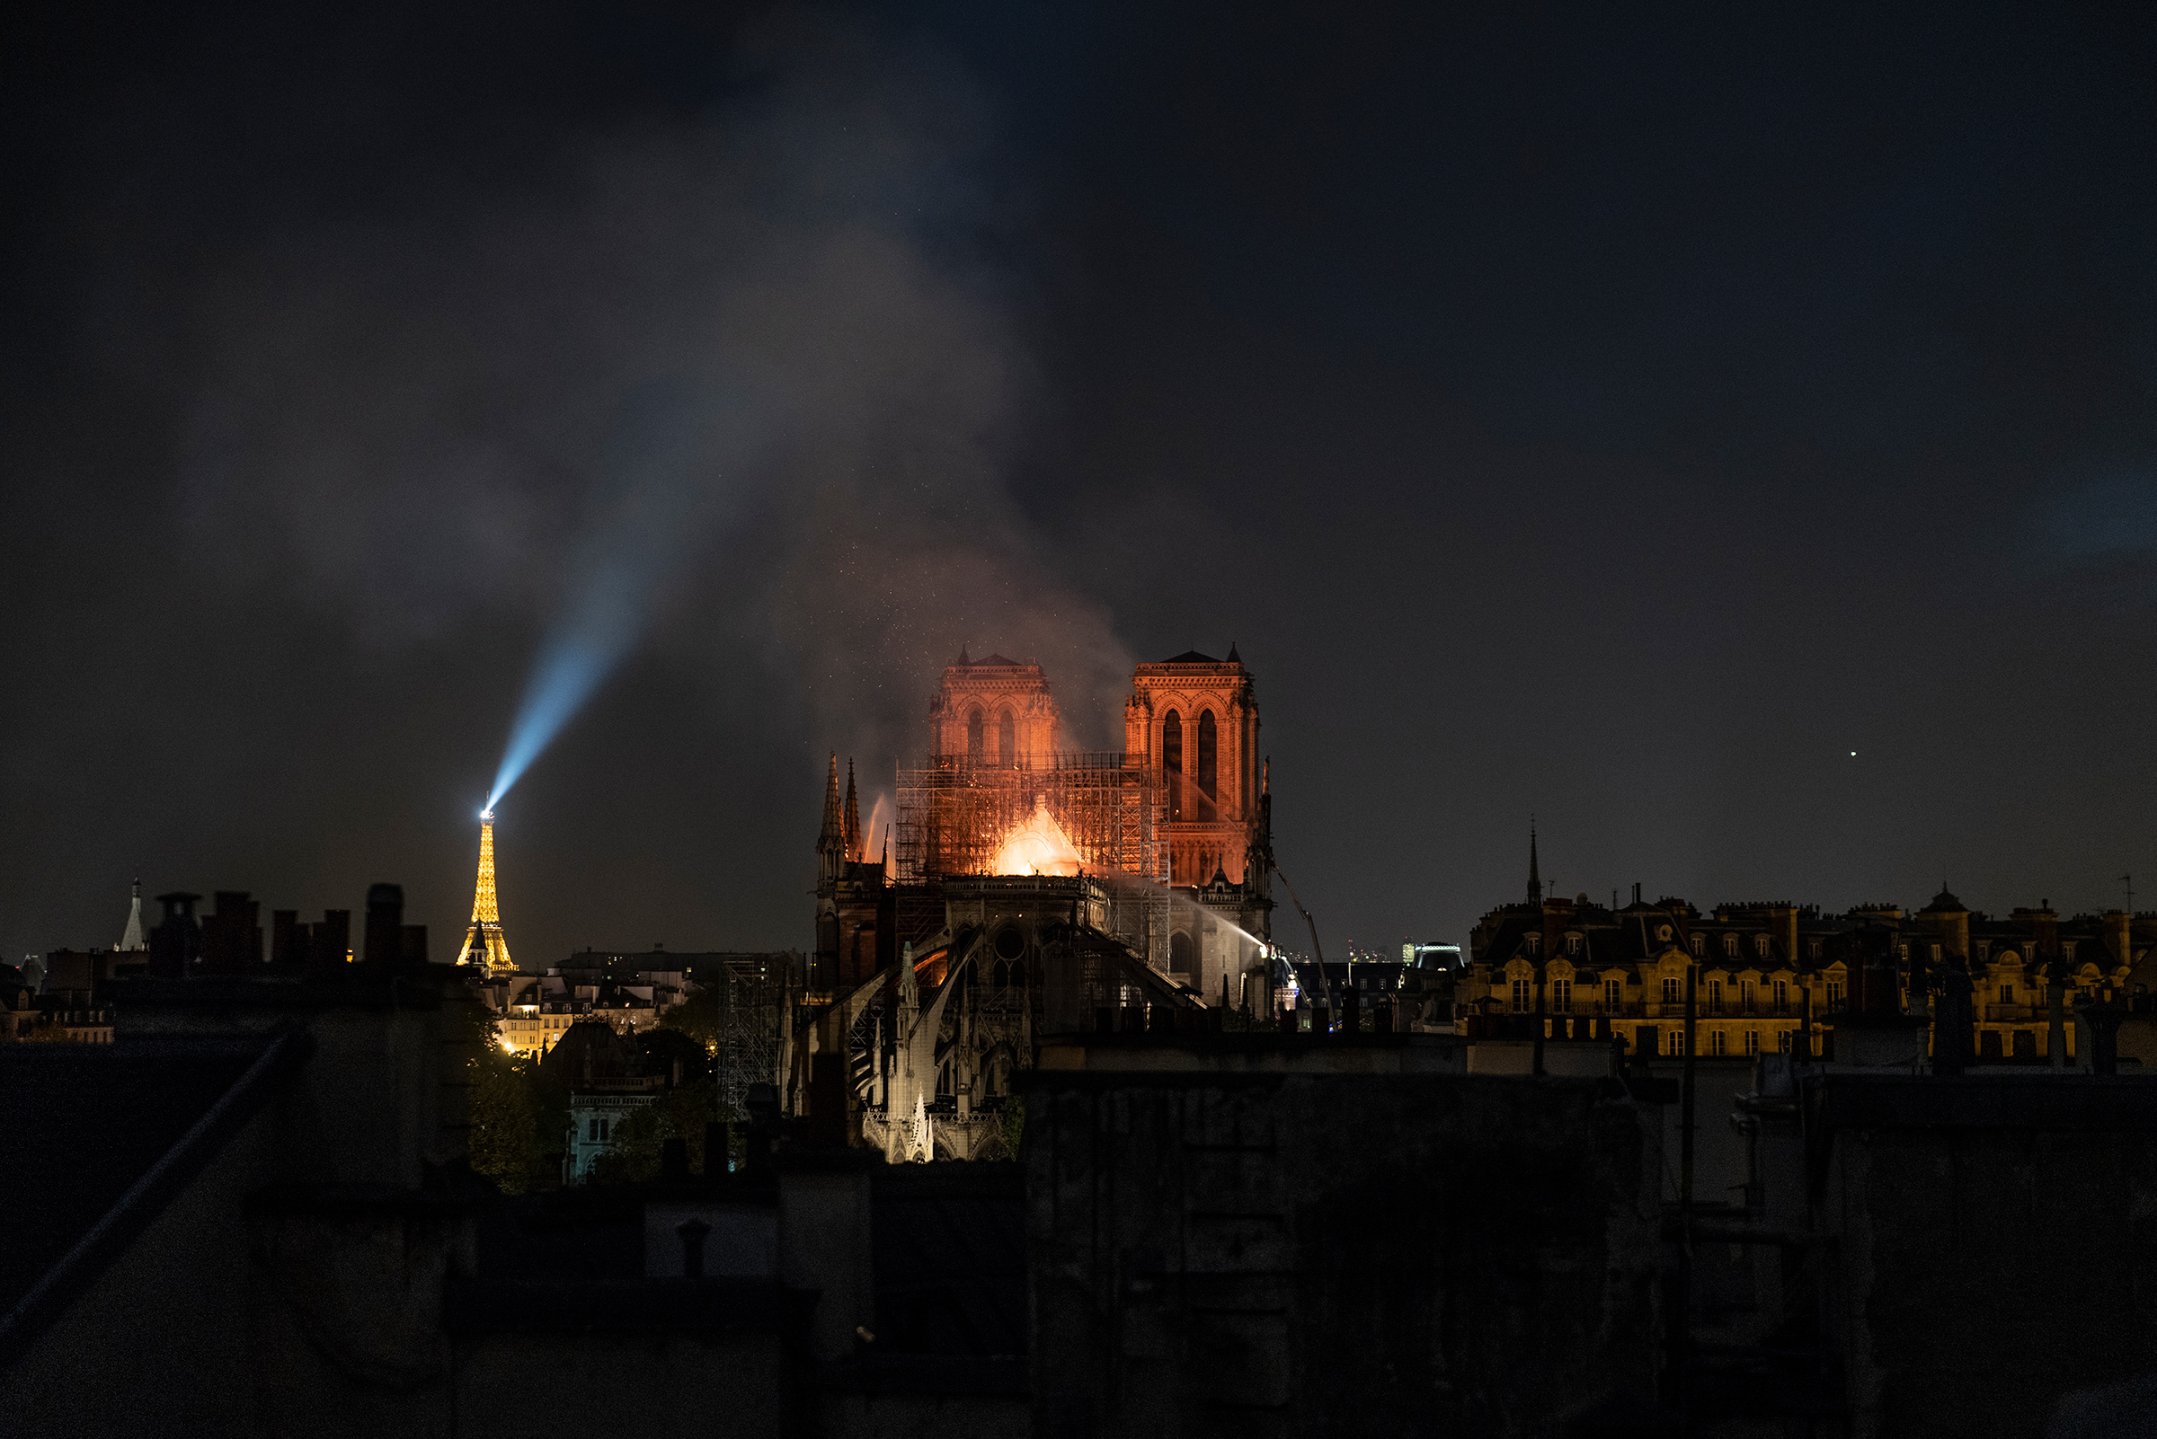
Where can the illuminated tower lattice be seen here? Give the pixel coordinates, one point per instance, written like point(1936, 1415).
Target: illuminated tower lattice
point(484, 943)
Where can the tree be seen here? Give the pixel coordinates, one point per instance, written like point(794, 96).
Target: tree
point(634, 1148)
point(702, 1016)
point(505, 1122)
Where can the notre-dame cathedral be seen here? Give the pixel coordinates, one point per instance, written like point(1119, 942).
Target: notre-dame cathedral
point(1026, 890)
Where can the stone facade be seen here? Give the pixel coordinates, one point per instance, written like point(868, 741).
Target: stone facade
point(1231, 1251)
point(1776, 976)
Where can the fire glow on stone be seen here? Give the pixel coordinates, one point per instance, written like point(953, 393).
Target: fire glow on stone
point(1038, 846)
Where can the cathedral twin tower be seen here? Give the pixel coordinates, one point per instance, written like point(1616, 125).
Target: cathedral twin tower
point(1182, 809)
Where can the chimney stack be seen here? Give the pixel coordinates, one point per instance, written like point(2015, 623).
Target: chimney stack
point(385, 926)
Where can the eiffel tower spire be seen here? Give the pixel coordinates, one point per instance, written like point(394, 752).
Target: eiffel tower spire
point(484, 943)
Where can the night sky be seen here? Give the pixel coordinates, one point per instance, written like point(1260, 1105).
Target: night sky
point(1617, 419)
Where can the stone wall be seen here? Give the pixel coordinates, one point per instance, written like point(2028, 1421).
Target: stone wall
point(1993, 1245)
point(1327, 1254)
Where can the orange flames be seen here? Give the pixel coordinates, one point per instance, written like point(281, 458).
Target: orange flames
point(1037, 846)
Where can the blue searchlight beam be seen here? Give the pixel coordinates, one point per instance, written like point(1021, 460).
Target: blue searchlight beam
point(626, 561)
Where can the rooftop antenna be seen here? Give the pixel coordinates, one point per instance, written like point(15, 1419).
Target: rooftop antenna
point(2129, 881)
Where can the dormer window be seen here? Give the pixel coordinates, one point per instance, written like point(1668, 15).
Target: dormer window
point(1572, 944)
point(1700, 945)
point(1730, 945)
point(1760, 945)
point(1662, 932)
point(1535, 943)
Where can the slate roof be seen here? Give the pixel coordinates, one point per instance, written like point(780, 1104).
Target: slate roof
point(1190, 657)
point(94, 1139)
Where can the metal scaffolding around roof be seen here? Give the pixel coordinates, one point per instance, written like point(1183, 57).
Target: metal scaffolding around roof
point(955, 812)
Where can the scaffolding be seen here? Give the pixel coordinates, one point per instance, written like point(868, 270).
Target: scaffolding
point(955, 812)
point(753, 1019)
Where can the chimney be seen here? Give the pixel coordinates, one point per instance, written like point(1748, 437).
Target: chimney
point(176, 943)
point(287, 940)
point(330, 941)
point(385, 926)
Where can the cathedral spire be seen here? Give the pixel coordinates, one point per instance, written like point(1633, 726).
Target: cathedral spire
point(131, 939)
point(834, 830)
point(484, 943)
point(1535, 872)
point(853, 815)
point(831, 837)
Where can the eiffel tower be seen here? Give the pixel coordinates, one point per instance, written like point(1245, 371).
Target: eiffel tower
point(484, 943)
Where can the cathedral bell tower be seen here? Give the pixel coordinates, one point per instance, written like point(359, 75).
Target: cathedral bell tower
point(1192, 723)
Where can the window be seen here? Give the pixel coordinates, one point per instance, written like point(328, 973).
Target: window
point(1674, 1042)
point(1700, 944)
point(1782, 1042)
point(1208, 750)
point(1613, 995)
point(1984, 950)
point(973, 734)
point(1730, 945)
point(1834, 994)
point(1561, 996)
point(1760, 946)
point(2007, 992)
point(1523, 995)
point(1716, 1041)
point(1752, 1041)
point(1572, 944)
point(1007, 739)
point(1535, 943)
point(1715, 996)
point(1673, 990)
point(1812, 947)
point(1745, 993)
point(1782, 996)
point(1172, 761)
point(1662, 932)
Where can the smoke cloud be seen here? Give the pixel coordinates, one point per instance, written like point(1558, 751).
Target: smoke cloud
point(744, 386)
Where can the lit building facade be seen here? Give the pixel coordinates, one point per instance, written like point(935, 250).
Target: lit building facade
point(1776, 976)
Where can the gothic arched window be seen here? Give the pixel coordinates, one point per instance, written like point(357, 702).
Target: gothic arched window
point(973, 734)
point(1172, 761)
point(1208, 752)
point(1181, 953)
point(1007, 739)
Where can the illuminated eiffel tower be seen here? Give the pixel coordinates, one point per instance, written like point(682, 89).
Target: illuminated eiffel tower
point(484, 943)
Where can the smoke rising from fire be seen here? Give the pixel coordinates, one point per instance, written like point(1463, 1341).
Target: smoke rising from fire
point(740, 388)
